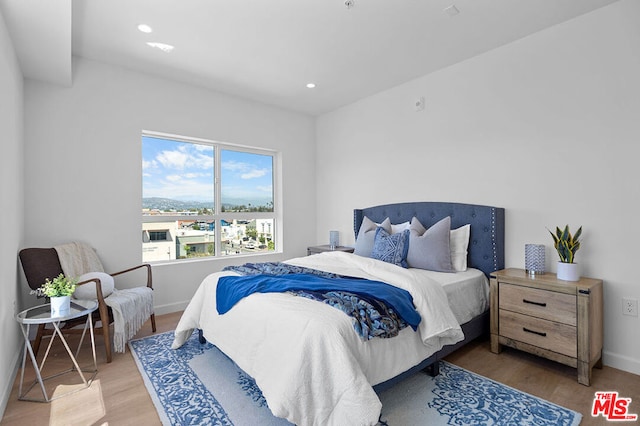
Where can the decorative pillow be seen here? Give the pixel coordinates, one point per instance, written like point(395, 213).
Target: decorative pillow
point(391, 248)
point(430, 249)
point(399, 227)
point(459, 241)
point(88, 291)
point(366, 235)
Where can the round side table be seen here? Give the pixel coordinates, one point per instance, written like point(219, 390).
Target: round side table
point(42, 315)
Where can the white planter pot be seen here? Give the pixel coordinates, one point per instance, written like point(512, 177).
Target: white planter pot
point(568, 271)
point(60, 306)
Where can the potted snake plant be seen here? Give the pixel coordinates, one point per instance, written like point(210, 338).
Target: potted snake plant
point(567, 245)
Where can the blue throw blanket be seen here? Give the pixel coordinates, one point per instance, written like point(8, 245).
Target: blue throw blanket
point(278, 268)
point(334, 290)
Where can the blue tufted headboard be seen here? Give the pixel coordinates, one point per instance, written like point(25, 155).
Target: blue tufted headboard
point(486, 242)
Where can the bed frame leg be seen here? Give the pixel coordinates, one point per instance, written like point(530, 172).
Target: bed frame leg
point(433, 370)
point(201, 338)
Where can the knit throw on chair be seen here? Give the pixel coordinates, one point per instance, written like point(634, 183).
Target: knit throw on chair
point(78, 258)
point(131, 307)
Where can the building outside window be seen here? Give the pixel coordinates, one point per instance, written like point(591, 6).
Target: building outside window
point(206, 199)
point(158, 235)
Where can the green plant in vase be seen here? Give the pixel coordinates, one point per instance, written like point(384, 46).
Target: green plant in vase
point(59, 286)
point(567, 245)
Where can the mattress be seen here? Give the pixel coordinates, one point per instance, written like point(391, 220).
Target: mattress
point(383, 359)
point(467, 292)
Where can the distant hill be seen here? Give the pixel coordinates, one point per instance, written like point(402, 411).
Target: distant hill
point(179, 205)
point(170, 204)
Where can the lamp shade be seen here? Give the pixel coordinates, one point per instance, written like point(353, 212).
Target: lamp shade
point(534, 258)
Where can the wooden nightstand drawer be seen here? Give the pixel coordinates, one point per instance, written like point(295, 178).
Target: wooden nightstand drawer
point(559, 320)
point(539, 303)
point(554, 336)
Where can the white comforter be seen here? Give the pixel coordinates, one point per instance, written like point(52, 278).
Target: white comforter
point(305, 356)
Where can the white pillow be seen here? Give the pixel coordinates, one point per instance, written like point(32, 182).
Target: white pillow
point(396, 229)
point(88, 291)
point(459, 241)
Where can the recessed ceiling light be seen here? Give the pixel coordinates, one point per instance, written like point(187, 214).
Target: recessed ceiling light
point(162, 46)
point(145, 28)
point(311, 85)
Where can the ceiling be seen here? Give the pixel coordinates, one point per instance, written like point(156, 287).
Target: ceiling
point(268, 50)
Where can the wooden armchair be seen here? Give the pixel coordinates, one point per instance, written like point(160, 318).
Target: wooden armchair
point(42, 263)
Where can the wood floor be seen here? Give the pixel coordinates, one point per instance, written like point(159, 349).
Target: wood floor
point(549, 380)
point(118, 395)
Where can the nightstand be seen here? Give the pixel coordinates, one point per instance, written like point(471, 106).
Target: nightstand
point(319, 249)
point(555, 319)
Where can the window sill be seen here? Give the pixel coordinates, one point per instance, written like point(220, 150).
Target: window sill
point(213, 258)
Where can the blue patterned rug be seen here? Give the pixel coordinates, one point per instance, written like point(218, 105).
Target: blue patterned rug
point(198, 385)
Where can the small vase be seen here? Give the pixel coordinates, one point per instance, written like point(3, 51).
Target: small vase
point(60, 306)
point(334, 239)
point(568, 271)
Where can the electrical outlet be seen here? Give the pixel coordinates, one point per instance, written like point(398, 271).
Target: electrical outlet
point(630, 307)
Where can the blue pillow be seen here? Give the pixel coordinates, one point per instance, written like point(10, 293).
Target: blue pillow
point(391, 248)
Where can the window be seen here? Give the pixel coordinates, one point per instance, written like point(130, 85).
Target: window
point(158, 235)
point(206, 199)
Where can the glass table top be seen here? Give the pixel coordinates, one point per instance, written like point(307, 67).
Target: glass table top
point(41, 314)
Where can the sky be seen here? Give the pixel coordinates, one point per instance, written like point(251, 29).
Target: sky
point(185, 171)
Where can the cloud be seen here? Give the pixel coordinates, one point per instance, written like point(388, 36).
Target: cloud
point(185, 171)
point(187, 157)
point(199, 147)
point(235, 166)
point(255, 173)
point(246, 170)
point(196, 175)
point(149, 164)
point(173, 159)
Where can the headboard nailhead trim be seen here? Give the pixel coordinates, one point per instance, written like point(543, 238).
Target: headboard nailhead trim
point(493, 239)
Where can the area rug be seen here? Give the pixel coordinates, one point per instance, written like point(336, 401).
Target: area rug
point(198, 385)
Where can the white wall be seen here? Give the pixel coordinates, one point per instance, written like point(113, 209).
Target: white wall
point(546, 127)
point(83, 164)
point(11, 225)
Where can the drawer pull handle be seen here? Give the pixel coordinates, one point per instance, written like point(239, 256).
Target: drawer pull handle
point(539, 333)
point(534, 303)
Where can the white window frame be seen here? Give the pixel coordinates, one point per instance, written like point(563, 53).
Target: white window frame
point(218, 215)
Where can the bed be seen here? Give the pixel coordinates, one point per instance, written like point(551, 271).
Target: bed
point(310, 365)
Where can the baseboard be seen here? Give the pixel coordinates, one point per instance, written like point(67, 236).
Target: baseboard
point(170, 307)
point(621, 362)
point(13, 371)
